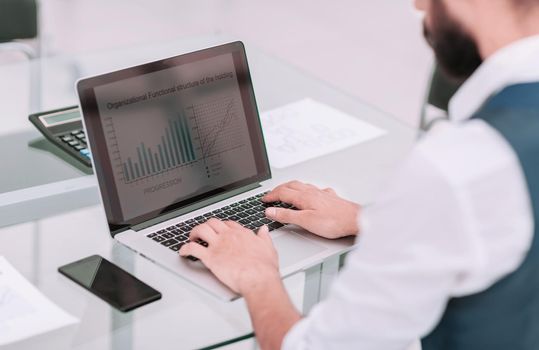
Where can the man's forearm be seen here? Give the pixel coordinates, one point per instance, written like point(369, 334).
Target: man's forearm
point(272, 312)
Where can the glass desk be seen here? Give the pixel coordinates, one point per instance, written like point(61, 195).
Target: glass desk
point(50, 213)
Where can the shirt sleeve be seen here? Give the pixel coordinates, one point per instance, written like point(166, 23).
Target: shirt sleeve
point(455, 218)
point(414, 247)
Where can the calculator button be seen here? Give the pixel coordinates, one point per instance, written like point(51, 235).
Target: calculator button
point(79, 147)
point(80, 136)
point(76, 132)
point(83, 139)
point(73, 143)
point(66, 138)
point(85, 153)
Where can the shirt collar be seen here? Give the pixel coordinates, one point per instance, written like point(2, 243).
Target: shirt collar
point(514, 64)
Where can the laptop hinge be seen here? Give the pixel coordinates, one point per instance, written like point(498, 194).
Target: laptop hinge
point(194, 206)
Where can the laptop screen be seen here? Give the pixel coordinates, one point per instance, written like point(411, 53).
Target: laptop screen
point(167, 134)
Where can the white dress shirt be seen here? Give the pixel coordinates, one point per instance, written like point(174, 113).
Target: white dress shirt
point(454, 219)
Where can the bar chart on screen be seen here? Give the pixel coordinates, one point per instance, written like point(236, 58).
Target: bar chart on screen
point(197, 133)
point(175, 149)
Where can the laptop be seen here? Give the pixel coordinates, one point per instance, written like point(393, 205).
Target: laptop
point(178, 141)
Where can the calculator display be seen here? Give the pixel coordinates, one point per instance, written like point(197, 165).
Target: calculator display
point(60, 118)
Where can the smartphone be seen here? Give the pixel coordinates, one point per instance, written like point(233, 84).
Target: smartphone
point(110, 283)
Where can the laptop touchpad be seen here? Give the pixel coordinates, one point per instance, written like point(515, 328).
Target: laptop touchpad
point(293, 248)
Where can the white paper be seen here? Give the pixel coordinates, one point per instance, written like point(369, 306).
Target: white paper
point(308, 129)
point(24, 311)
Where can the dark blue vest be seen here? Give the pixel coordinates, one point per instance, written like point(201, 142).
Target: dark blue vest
point(505, 316)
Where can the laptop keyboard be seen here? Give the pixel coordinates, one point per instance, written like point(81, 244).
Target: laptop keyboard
point(248, 212)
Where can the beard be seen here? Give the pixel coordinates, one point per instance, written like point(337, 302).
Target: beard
point(456, 51)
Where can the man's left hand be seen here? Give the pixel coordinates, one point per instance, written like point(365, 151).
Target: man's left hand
point(238, 257)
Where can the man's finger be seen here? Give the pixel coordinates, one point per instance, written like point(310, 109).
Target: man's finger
point(280, 187)
point(286, 216)
point(232, 224)
point(287, 195)
point(270, 193)
point(300, 186)
point(263, 232)
point(330, 191)
point(196, 250)
point(204, 232)
point(217, 225)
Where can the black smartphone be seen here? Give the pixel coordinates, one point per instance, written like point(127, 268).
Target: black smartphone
point(109, 282)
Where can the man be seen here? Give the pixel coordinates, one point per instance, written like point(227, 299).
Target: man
point(448, 252)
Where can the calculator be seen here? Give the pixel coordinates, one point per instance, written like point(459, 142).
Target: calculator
point(63, 127)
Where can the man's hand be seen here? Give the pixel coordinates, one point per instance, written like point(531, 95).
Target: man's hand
point(248, 264)
point(242, 260)
point(321, 212)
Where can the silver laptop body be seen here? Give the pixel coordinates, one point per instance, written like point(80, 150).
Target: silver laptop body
point(175, 139)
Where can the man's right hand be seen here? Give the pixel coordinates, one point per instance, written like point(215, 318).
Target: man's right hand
point(319, 211)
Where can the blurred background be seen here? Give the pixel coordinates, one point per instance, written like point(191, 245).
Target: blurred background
point(373, 50)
